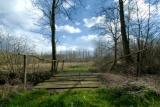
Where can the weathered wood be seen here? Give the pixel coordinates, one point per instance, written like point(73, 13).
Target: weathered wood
point(68, 83)
point(57, 63)
point(71, 81)
point(68, 86)
point(76, 74)
point(62, 66)
point(25, 71)
point(77, 87)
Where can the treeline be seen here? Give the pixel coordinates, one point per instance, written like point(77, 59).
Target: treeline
point(133, 29)
point(82, 55)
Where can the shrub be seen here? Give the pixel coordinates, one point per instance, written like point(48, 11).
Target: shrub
point(18, 78)
point(37, 77)
point(3, 78)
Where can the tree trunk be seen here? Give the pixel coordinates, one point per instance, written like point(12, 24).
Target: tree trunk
point(53, 34)
point(115, 54)
point(125, 41)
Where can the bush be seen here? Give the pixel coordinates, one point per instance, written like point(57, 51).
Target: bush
point(18, 78)
point(37, 77)
point(3, 79)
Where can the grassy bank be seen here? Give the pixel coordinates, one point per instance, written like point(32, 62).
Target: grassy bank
point(92, 98)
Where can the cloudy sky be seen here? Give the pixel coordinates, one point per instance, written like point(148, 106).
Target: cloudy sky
point(20, 18)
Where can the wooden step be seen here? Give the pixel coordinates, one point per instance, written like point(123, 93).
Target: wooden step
point(71, 79)
point(68, 83)
point(67, 86)
point(76, 74)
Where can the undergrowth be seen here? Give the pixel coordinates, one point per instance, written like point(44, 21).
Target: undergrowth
point(114, 97)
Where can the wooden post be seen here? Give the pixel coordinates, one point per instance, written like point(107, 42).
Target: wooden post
point(25, 71)
point(62, 66)
point(57, 62)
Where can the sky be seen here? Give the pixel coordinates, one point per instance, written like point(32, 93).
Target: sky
point(20, 18)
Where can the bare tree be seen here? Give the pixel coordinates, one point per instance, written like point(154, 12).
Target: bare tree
point(112, 27)
point(144, 29)
point(50, 9)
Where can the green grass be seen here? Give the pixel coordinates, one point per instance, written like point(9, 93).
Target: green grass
point(91, 98)
point(79, 67)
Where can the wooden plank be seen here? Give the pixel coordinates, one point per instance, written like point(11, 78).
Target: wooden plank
point(60, 88)
point(67, 86)
point(87, 76)
point(69, 83)
point(71, 79)
point(76, 74)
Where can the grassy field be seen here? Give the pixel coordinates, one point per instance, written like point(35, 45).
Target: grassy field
point(79, 67)
point(44, 66)
point(86, 98)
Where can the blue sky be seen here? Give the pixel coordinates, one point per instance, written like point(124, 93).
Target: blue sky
point(20, 18)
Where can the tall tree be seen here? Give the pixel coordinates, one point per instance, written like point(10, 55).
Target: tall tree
point(125, 40)
point(50, 8)
point(53, 36)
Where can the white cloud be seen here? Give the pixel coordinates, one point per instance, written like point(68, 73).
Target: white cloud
point(90, 22)
point(36, 42)
point(90, 38)
point(39, 42)
point(19, 18)
point(66, 48)
point(68, 29)
point(18, 14)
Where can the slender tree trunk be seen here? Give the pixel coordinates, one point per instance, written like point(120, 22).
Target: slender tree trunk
point(125, 41)
point(53, 34)
point(138, 59)
point(115, 54)
point(139, 44)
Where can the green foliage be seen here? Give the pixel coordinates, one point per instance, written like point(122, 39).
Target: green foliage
point(86, 98)
point(124, 98)
point(3, 78)
point(17, 78)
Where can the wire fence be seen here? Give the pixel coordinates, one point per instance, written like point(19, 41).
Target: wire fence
point(27, 67)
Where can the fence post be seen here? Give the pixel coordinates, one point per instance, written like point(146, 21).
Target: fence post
point(57, 62)
point(62, 66)
point(25, 70)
